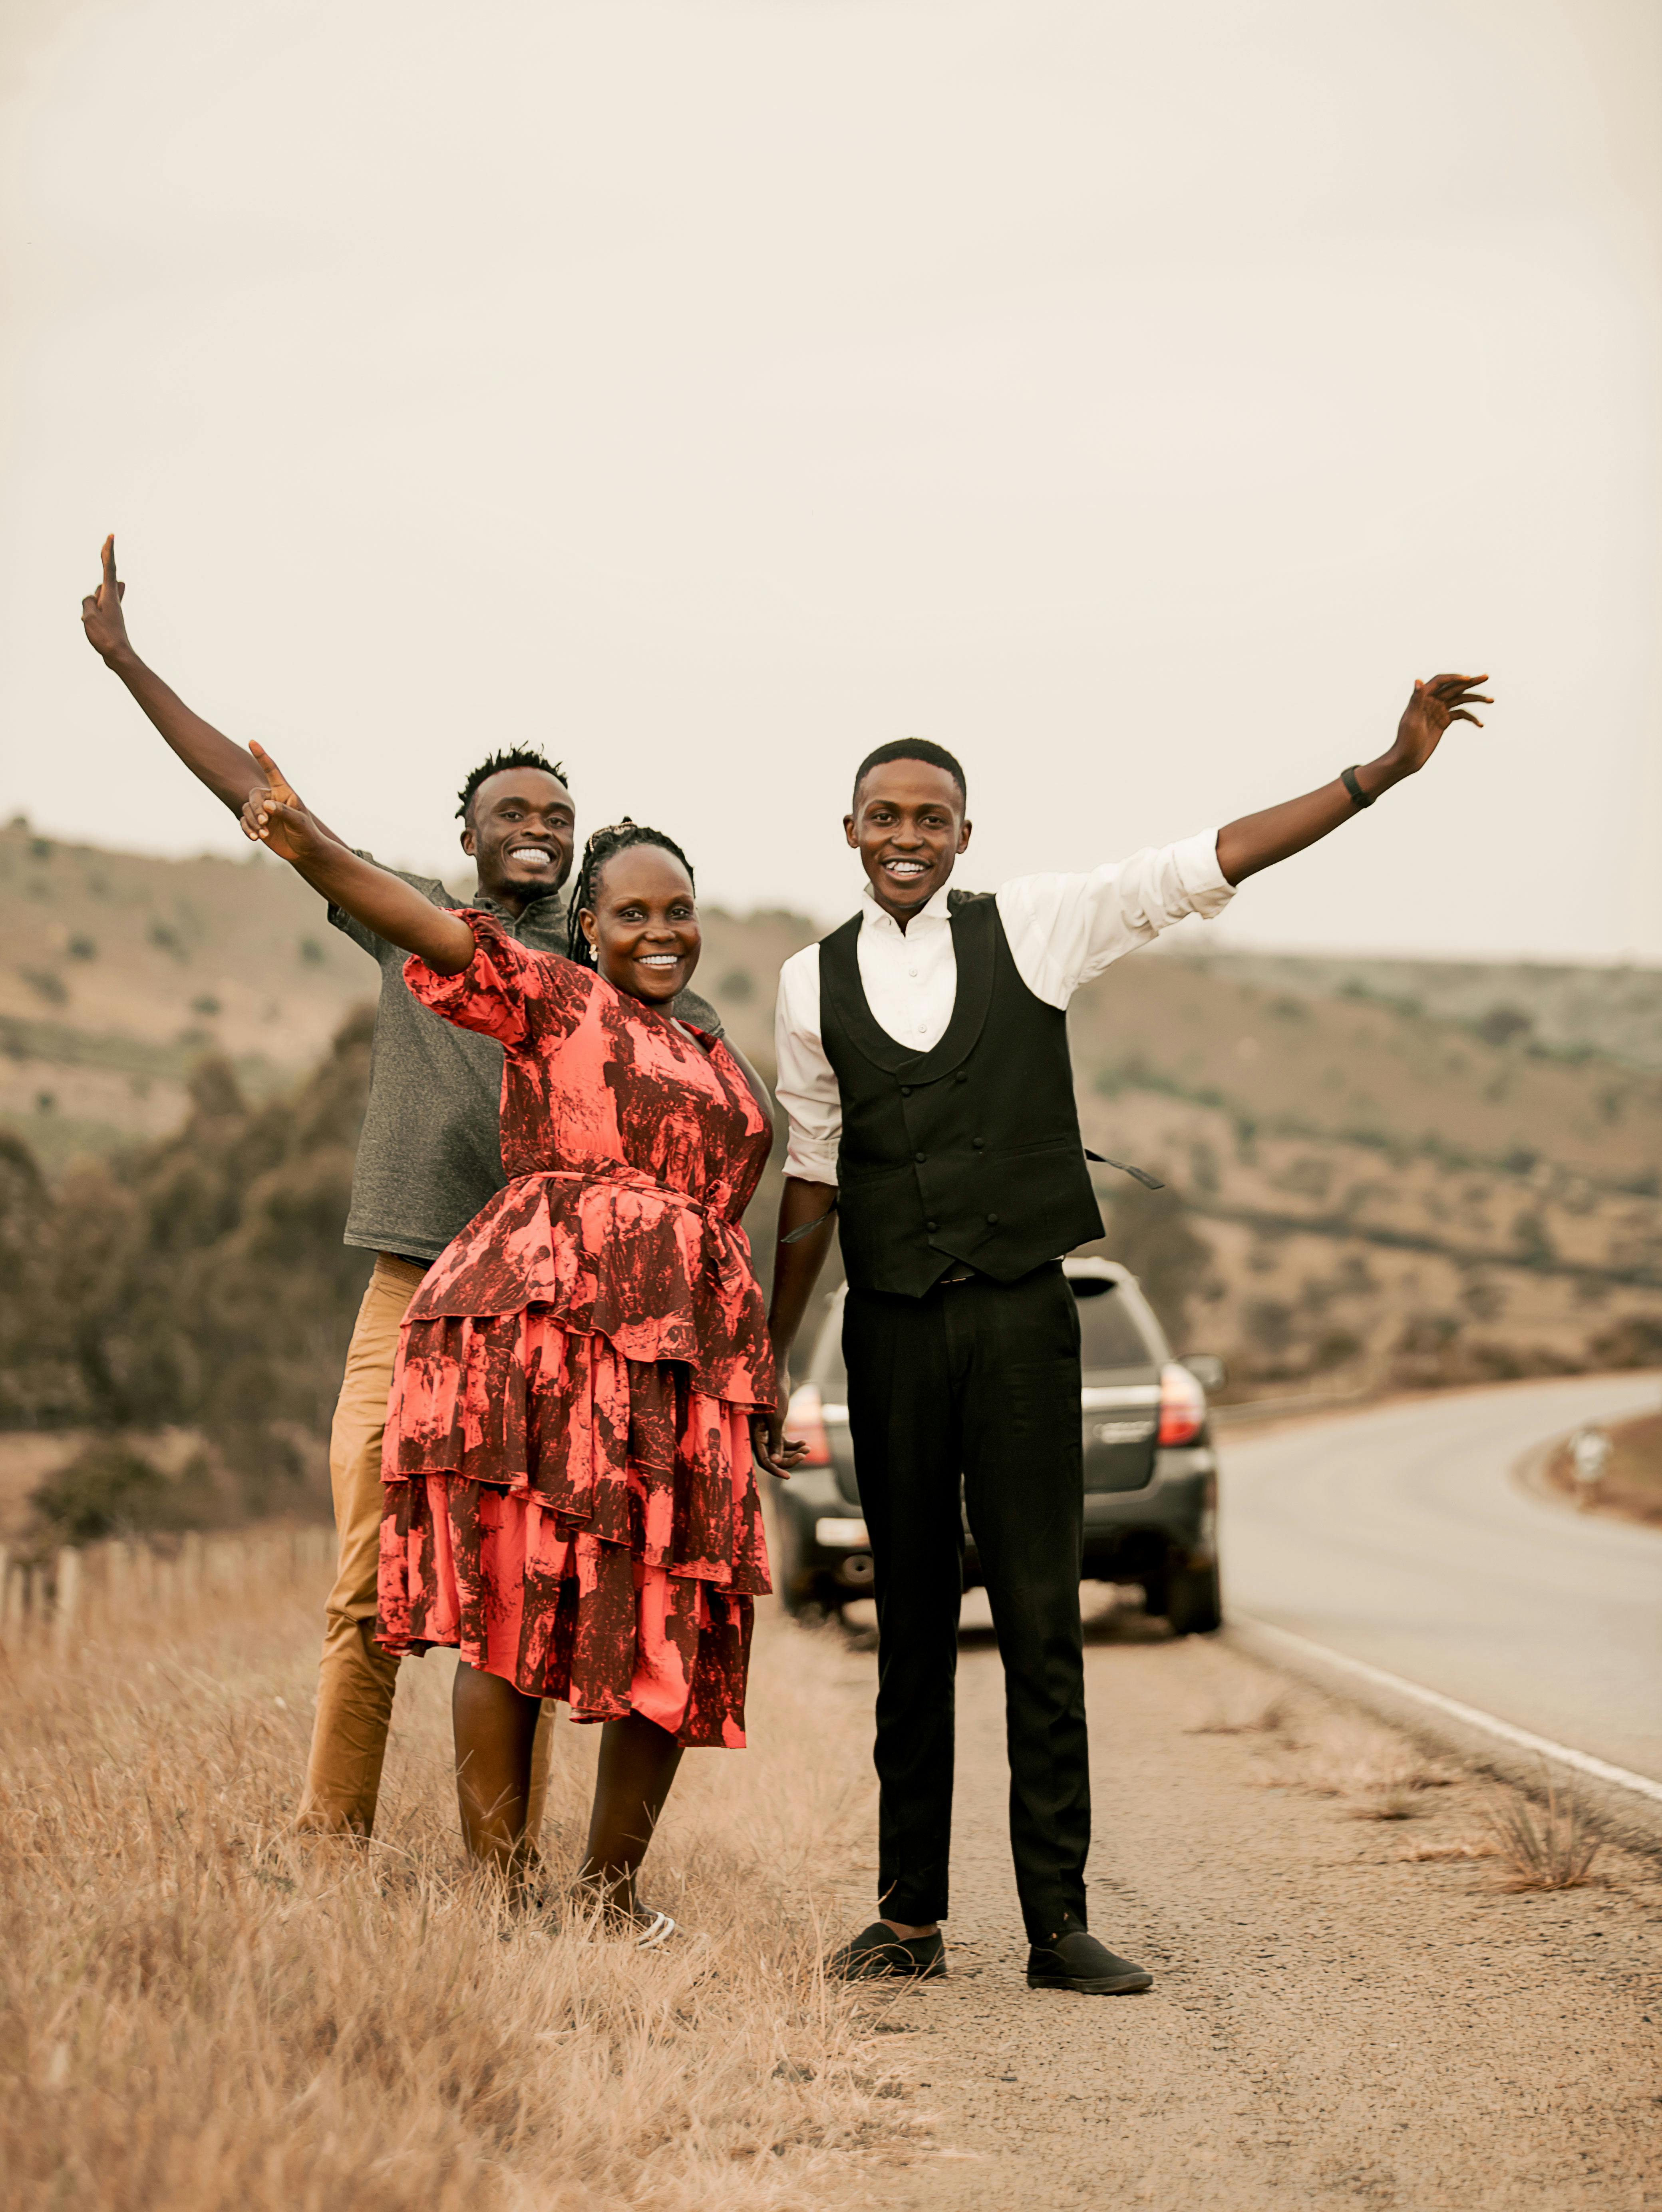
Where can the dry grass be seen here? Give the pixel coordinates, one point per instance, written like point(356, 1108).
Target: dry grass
point(198, 2014)
point(1379, 1775)
point(1250, 1711)
point(1458, 1847)
point(1545, 1847)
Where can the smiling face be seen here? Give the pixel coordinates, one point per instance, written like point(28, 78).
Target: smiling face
point(644, 924)
point(908, 827)
point(520, 829)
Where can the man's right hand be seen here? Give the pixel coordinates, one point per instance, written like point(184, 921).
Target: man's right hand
point(100, 613)
point(276, 815)
point(769, 1445)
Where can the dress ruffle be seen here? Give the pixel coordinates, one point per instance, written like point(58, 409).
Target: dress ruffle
point(616, 1252)
point(492, 1577)
point(585, 1525)
point(631, 1453)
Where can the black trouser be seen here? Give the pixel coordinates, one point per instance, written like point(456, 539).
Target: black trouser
point(980, 1378)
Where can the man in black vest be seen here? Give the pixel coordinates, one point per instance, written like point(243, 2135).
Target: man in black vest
point(923, 1060)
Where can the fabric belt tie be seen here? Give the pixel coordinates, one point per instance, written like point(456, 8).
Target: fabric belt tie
point(627, 1178)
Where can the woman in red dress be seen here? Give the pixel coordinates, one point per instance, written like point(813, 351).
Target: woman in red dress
point(571, 1503)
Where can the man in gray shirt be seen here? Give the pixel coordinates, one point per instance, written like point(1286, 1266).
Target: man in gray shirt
point(429, 1158)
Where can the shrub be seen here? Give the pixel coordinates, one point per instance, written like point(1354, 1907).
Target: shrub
point(108, 1490)
point(198, 1281)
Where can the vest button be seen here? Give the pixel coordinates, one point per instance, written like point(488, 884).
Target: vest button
point(960, 1075)
point(978, 1144)
point(992, 1221)
point(905, 1091)
point(931, 1226)
point(920, 1157)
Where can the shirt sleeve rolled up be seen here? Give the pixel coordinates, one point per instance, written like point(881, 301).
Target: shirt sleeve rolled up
point(1064, 930)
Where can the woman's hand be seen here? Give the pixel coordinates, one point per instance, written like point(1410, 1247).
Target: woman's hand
point(275, 814)
point(100, 613)
point(1429, 713)
point(772, 1449)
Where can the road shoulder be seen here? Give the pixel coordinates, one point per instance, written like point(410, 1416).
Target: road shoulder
point(1345, 2006)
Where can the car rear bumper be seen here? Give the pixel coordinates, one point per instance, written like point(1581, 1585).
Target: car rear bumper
point(1128, 1533)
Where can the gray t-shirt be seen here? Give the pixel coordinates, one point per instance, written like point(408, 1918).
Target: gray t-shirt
point(430, 1154)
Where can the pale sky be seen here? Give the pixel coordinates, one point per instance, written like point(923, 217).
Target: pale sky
point(1134, 398)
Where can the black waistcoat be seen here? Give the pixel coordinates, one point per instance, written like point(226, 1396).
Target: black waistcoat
point(969, 1151)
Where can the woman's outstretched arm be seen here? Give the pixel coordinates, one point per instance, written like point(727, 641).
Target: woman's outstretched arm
point(382, 902)
point(1259, 841)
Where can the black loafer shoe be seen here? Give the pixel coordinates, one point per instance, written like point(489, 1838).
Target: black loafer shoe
point(1078, 1962)
point(878, 1952)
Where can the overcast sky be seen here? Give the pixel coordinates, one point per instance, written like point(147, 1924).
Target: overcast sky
point(1133, 397)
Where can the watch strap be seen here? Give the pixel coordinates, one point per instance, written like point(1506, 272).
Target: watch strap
point(1358, 796)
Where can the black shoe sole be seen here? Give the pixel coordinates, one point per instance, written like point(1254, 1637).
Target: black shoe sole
point(1101, 1985)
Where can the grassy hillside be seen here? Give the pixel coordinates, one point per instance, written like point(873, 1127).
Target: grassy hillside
point(119, 972)
point(1457, 1177)
point(1382, 1193)
point(1616, 1013)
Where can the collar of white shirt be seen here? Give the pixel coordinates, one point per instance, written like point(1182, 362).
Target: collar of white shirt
point(872, 916)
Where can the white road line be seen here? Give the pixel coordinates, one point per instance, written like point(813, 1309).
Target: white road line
point(1583, 1761)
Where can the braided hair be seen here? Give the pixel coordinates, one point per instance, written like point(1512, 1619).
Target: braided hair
point(604, 845)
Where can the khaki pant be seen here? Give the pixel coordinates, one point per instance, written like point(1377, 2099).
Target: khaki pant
point(356, 1679)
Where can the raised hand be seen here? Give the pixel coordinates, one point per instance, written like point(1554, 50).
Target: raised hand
point(1429, 713)
point(100, 612)
point(274, 815)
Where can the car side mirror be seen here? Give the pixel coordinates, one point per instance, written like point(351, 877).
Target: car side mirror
point(1208, 1370)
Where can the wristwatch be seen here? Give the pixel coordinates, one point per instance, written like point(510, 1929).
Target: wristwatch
point(1358, 796)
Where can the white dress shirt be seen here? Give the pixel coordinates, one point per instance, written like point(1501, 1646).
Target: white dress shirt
point(1062, 930)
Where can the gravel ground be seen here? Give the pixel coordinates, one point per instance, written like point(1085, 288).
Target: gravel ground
point(1331, 2022)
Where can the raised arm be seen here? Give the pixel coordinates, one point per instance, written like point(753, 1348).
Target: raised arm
point(382, 902)
point(1259, 841)
point(228, 770)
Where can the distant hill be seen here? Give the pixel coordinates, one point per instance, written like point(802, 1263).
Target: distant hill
point(1614, 1012)
point(1377, 1169)
point(1381, 1195)
point(119, 972)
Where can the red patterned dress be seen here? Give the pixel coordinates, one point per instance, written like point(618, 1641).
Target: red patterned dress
point(570, 1498)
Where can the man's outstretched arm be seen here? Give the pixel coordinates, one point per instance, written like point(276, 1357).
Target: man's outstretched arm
point(1259, 841)
point(228, 770)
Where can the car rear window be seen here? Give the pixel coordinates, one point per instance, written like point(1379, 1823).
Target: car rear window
point(1109, 1336)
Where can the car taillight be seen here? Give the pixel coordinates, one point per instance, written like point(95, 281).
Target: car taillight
point(1182, 1405)
point(804, 1425)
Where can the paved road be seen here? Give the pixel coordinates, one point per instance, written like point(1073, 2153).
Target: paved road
point(1399, 1538)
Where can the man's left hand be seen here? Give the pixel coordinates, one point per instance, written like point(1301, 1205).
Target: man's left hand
point(1434, 706)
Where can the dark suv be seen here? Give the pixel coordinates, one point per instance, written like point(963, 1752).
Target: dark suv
point(1150, 1474)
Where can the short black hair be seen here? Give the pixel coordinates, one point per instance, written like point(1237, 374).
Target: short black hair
point(604, 845)
point(917, 748)
point(510, 757)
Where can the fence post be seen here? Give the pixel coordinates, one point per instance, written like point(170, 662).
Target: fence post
point(118, 1578)
point(68, 1598)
